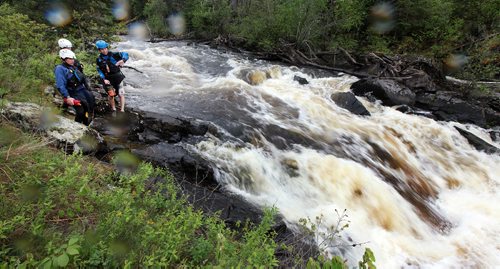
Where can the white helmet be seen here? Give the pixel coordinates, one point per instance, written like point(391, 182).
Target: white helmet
point(66, 53)
point(64, 43)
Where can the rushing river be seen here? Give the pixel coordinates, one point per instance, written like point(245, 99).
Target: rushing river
point(415, 191)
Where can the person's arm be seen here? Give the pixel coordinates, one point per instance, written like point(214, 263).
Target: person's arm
point(61, 81)
point(123, 58)
point(101, 74)
point(99, 71)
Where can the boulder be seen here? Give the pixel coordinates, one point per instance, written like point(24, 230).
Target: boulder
point(253, 76)
point(62, 132)
point(256, 77)
point(179, 160)
point(449, 106)
point(418, 80)
point(477, 142)
point(300, 80)
point(348, 101)
point(388, 91)
point(273, 72)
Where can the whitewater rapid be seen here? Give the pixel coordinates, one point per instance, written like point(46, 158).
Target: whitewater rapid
point(416, 192)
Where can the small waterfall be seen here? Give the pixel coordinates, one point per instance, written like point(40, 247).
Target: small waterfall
point(414, 189)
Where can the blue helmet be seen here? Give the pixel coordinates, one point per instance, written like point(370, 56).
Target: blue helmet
point(101, 44)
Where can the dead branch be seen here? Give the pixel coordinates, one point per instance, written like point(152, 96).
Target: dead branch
point(349, 56)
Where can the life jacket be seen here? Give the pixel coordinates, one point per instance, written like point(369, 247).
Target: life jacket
point(78, 65)
point(108, 64)
point(77, 77)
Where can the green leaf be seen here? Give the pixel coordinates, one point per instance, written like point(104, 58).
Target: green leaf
point(73, 241)
point(47, 264)
point(72, 250)
point(62, 260)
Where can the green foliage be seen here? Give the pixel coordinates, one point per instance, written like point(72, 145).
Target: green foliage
point(483, 60)
point(368, 261)
point(156, 12)
point(328, 237)
point(66, 212)
point(23, 54)
point(321, 263)
point(208, 18)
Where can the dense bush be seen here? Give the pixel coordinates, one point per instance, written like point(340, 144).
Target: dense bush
point(433, 28)
point(24, 51)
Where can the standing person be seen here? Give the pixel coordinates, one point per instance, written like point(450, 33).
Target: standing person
point(70, 82)
point(108, 67)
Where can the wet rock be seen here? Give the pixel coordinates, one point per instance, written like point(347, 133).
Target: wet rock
point(291, 167)
point(388, 91)
point(256, 77)
point(300, 80)
point(404, 109)
point(273, 72)
point(149, 137)
point(478, 142)
point(252, 76)
point(178, 159)
point(415, 111)
point(449, 106)
point(348, 101)
point(418, 80)
point(172, 129)
point(495, 135)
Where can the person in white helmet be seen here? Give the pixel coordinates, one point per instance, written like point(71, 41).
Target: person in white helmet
point(70, 82)
point(66, 44)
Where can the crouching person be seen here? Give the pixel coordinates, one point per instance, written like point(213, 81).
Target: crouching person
point(70, 82)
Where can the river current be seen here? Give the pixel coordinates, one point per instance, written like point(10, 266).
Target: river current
point(415, 191)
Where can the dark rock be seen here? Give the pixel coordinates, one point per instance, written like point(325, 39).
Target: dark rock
point(178, 159)
point(404, 109)
point(348, 101)
point(149, 137)
point(173, 129)
point(388, 91)
point(231, 208)
point(495, 135)
point(449, 106)
point(418, 80)
point(300, 80)
point(414, 111)
point(477, 142)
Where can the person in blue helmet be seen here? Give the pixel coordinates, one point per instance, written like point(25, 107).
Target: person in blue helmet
point(70, 82)
point(109, 68)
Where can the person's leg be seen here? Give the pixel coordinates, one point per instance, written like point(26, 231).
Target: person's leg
point(89, 97)
point(111, 101)
point(82, 110)
point(90, 104)
point(121, 94)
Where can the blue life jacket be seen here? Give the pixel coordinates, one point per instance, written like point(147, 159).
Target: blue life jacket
point(106, 64)
point(69, 79)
